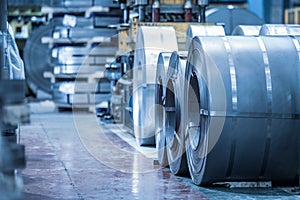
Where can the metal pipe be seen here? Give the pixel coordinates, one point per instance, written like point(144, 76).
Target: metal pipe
point(125, 10)
point(188, 11)
point(141, 9)
point(156, 11)
point(201, 17)
point(202, 7)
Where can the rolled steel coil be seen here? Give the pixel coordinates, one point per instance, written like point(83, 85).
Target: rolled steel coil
point(280, 29)
point(36, 59)
point(242, 108)
point(246, 30)
point(149, 43)
point(160, 93)
point(174, 122)
point(202, 30)
point(174, 118)
point(232, 17)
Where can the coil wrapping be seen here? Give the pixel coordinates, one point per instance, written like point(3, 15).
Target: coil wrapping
point(242, 108)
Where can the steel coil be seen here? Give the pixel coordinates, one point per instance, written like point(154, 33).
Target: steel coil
point(36, 60)
point(242, 108)
point(246, 30)
point(149, 43)
point(202, 30)
point(232, 17)
point(280, 29)
point(174, 118)
point(174, 122)
point(160, 93)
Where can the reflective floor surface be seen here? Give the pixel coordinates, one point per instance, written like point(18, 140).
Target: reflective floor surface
point(68, 158)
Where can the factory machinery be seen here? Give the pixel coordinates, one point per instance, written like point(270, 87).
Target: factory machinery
point(219, 108)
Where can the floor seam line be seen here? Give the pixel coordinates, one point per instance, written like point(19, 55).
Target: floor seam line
point(63, 164)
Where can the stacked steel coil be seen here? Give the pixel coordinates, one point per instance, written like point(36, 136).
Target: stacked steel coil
point(174, 126)
point(231, 113)
point(175, 120)
point(240, 127)
point(232, 17)
point(145, 62)
point(201, 30)
point(246, 30)
point(267, 29)
point(76, 63)
point(280, 29)
point(77, 50)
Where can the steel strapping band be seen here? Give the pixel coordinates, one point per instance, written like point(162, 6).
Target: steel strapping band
point(269, 105)
point(234, 100)
point(232, 74)
point(254, 115)
point(267, 73)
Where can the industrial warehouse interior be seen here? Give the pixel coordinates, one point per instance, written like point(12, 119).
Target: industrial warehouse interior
point(149, 99)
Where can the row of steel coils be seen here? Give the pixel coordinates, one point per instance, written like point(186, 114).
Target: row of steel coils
point(66, 58)
point(227, 109)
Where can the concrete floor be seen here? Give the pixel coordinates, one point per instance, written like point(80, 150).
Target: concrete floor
point(63, 163)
